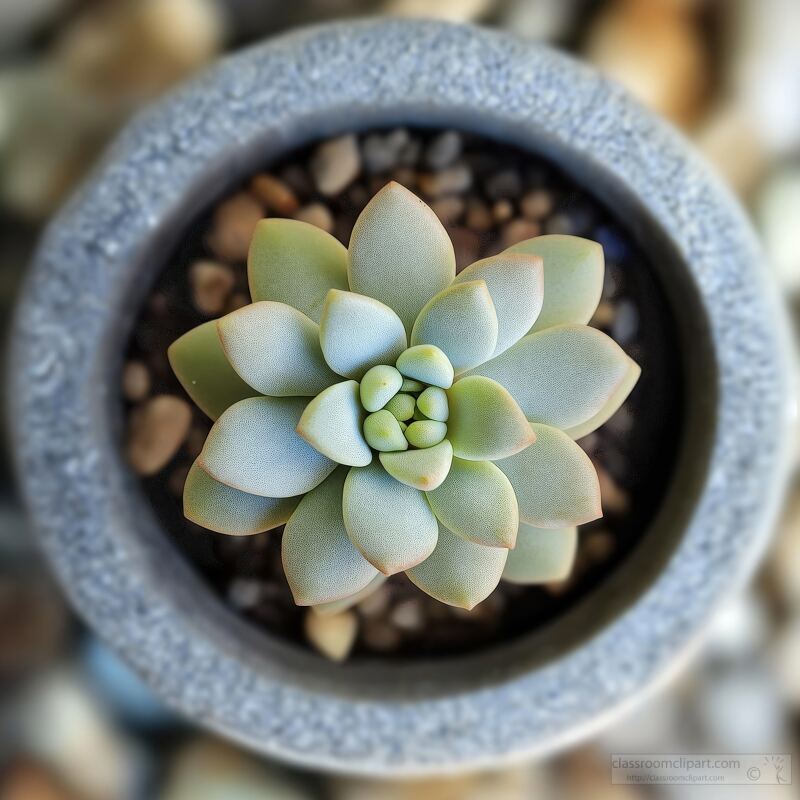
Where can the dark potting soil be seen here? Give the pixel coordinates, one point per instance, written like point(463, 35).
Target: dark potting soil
point(489, 196)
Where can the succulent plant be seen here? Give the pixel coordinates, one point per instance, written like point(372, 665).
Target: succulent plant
point(396, 416)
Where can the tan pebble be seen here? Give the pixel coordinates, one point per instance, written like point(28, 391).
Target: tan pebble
point(335, 164)
point(502, 211)
point(466, 244)
point(334, 635)
point(316, 214)
point(375, 604)
point(479, 218)
point(379, 635)
point(233, 226)
point(156, 429)
point(211, 284)
point(603, 315)
point(408, 615)
point(536, 205)
point(448, 209)
point(518, 230)
point(27, 781)
point(276, 195)
point(135, 381)
point(614, 498)
point(598, 545)
point(452, 180)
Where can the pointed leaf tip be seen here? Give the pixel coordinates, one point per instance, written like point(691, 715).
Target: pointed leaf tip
point(422, 469)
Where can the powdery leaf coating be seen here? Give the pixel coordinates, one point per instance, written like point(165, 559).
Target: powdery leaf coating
point(461, 322)
point(400, 253)
point(220, 508)
point(200, 364)
point(425, 433)
point(565, 376)
point(554, 480)
point(320, 561)
point(358, 332)
point(573, 277)
point(255, 448)
point(332, 423)
point(422, 469)
point(432, 402)
point(410, 385)
point(516, 284)
point(485, 421)
point(378, 386)
point(401, 407)
point(337, 606)
point(390, 523)
point(384, 433)
point(426, 363)
point(275, 348)
point(477, 501)
point(295, 263)
point(459, 572)
point(542, 555)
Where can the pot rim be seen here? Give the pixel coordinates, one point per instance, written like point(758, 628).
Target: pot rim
point(275, 95)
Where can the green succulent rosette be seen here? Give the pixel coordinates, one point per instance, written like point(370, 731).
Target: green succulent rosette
point(396, 416)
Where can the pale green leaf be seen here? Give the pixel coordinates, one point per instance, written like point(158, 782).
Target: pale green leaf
point(410, 386)
point(220, 508)
point(358, 332)
point(332, 422)
point(477, 501)
point(378, 386)
point(461, 322)
point(425, 433)
point(554, 480)
point(459, 572)
point(401, 406)
point(295, 263)
point(422, 469)
point(566, 376)
point(432, 402)
point(203, 369)
point(320, 562)
point(275, 348)
point(337, 606)
point(255, 448)
point(390, 523)
point(400, 253)
point(383, 432)
point(573, 277)
point(426, 363)
point(485, 421)
point(516, 284)
point(542, 555)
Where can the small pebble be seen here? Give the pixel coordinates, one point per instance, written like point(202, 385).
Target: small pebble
point(297, 179)
point(603, 316)
point(245, 592)
point(504, 185)
point(443, 150)
point(615, 500)
point(381, 153)
point(233, 225)
point(135, 381)
point(211, 283)
point(411, 153)
point(333, 636)
point(626, 322)
point(378, 634)
point(597, 545)
point(316, 214)
point(448, 209)
point(408, 615)
point(406, 176)
point(335, 164)
point(376, 604)
point(559, 223)
point(502, 211)
point(518, 230)
point(536, 205)
point(452, 180)
point(156, 429)
point(479, 218)
point(276, 195)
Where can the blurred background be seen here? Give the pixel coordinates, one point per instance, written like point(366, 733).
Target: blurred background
point(74, 723)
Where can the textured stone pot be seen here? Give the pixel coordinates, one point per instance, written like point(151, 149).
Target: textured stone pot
point(527, 698)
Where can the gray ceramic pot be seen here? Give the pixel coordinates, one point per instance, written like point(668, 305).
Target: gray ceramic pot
point(528, 698)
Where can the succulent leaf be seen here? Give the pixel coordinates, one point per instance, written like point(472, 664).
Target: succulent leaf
point(358, 332)
point(337, 606)
point(485, 421)
point(461, 322)
point(581, 375)
point(410, 385)
point(426, 363)
point(400, 253)
point(459, 572)
point(573, 278)
point(321, 563)
point(542, 555)
point(390, 523)
point(220, 508)
point(422, 469)
point(432, 402)
point(332, 422)
point(477, 501)
point(383, 432)
point(275, 348)
point(554, 480)
point(295, 263)
point(255, 448)
point(200, 364)
point(401, 406)
point(516, 284)
point(378, 386)
point(425, 433)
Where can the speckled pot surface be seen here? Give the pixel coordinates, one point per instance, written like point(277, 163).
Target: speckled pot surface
point(524, 699)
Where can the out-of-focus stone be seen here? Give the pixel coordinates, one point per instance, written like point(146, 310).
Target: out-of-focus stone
point(502, 211)
point(335, 164)
point(135, 381)
point(548, 20)
point(316, 214)
point(466, 244)
point(453, 180)
point(478, 218)
point(518, 230)
point(375, 604)
point(614, 498)
point(408, 615)
point(448, 10)
point(784, 562)
point(332, 635)
point(382, 152)
point(211, 284)
point(276, 195)
point(233, 225)
point(536, 205)
point(778, 210)
point(785, 661)
point(443, 150)
point(448, 209)
point(29, 781)
point(739, 629)
point(156, 430)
